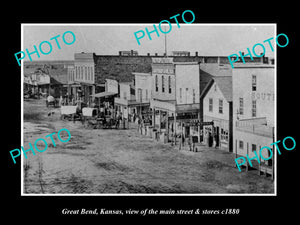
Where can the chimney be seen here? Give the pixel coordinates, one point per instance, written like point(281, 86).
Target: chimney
point(155, 54)
point(120, 53)
point(148, 54)
point(131, 52)
point(196, 53)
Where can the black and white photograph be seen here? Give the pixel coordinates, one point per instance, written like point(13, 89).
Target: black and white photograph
point(170, 115)
point(131, 112)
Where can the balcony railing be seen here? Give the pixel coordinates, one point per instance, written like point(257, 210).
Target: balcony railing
point(127, 102)
point(143, 100)
point(259, 129)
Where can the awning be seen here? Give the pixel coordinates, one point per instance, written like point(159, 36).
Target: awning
point(104, 94)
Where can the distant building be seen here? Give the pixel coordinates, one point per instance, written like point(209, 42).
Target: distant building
point(88, 73)
point(180, 53)
point(46, 78)
point(143, 92)
point(71, 74)
point(84, 80)
point(37, 83)
point(128, 53)
point(111, 85)
point(126, 103)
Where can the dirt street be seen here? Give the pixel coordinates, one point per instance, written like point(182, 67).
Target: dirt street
point(97, 161)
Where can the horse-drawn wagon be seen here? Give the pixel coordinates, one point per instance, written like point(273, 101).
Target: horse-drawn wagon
point(91, 117)
point(70, 112)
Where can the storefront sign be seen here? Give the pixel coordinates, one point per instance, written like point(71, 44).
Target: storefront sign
point(263, 96)
point(199, 123)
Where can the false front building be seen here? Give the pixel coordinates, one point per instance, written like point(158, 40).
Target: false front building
point(175, 100)
point(81, 77)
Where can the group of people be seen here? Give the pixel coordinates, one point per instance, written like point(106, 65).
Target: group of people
point(141, 121)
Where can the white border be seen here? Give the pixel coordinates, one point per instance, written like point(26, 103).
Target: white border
point(143, 24)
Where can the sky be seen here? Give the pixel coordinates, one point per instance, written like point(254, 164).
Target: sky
point(109, 39)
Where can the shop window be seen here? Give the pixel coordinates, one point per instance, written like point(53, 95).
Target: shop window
point(224, 135)
point(253, 147)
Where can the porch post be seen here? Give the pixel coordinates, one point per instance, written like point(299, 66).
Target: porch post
point(174, 134)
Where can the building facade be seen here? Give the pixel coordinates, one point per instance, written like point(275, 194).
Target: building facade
point(81, 78)
point(253, 108)
point(125, 104)
point(162, 103)
point(175, 102)
point(143, 93)
point(217, 107)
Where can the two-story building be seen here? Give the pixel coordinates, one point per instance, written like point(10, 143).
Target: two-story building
point(125, 104)
point(176, 94)
point(143, 93)
point(162, 103)
point(217, 107)
point(81, 77)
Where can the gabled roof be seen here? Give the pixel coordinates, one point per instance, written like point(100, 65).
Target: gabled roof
point(225, 85)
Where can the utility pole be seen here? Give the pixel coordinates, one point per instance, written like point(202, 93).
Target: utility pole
point(165, 43)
